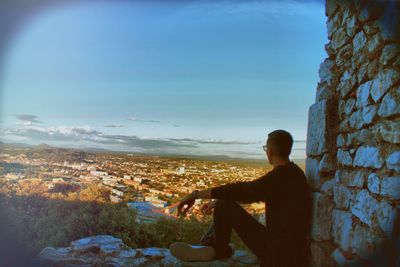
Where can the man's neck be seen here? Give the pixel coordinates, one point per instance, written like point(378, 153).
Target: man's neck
point(281, 162)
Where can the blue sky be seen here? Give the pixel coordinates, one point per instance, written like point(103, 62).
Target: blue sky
point(186, 77)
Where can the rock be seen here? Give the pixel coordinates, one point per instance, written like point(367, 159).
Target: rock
point(342, 196)
point(342, 228)
point(390, 187)
point(362, 73)
point(343, 55)
point(374, 183)
point(393, 161)
point(368, 157)
point(389, 52)
point(321, 217)
point(381, 84)
point(356, 119)
point(341, 140)
point(363, 242)
point(320, 254)
point(321, 118)
point(104, 243)
point(369, 114)
point(331, 27)
point(349, 106)
point(312, 173)
point(363, 94)
point(372, 69)
point(359, 41)
point(344, 158)
point(324, 92)
point(326, 71)
point(390, 132)
point(330, 7)
point(351, 178)
point(345, 85)
point(365, 207)
point(338, 257)
point(339, 38)
point(390, 105)
point(386, 216)
point(351, 26)
point(112, 252)
point(50, 256)
point(374, 45)
point(327, 164)
point(327, 187)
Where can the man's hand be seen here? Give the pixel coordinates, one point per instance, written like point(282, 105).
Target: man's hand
point(186, 203)
point(208, 207)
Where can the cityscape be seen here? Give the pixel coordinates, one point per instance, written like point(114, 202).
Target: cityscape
point(152, 185)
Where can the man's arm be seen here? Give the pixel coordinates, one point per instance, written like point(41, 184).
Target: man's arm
point(260, 189)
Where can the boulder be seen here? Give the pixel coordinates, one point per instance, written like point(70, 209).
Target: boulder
point(105, 250)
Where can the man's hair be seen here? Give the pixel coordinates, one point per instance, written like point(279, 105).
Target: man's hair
point(281, 142)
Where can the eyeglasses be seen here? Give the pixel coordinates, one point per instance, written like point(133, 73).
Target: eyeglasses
point(265, 148)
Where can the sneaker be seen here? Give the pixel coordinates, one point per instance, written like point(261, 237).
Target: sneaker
point(186, 252)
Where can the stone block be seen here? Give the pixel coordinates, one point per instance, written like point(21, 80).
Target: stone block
point(320, 254)
point(383, 82)
point(362, 73)
point(330, 7)
point(327, 187)
point(356, 119)
point(343, 56)
point(389, 52)
point(374, 183)
point(363, 94)
point(312, 173)
point(321, 217)
point(351, 25)
point(327, 164)
point(342, 196)
point(365, 207)
point(339, 39)
point(321, 119)
point(390, 105)
point(390, 131)
point(338, 257)
point(359, 41)
point(343, 157)
point(390, 187)
point(349, 106)
point(351, 178)
point(369, 114)
point(342, 228)
point(345, 85)
point(393, 161)
point(363, 242)
point(326, 71)
point(341, 140)
point(374, 45)
point(324, 91)
point(369, 157)
point(386, 215)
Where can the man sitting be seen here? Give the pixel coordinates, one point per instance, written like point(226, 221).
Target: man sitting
point(284, 189)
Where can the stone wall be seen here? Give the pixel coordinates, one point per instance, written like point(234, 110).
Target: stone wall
point(353, 140)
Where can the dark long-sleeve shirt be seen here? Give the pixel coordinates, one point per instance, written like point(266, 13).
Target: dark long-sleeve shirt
point(288, 205)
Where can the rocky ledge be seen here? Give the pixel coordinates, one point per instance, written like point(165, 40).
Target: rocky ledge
point(105, 250)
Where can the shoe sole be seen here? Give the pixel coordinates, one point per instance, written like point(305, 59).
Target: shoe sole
point(186, 252)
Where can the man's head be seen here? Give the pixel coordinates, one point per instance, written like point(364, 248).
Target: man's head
point(278, 147)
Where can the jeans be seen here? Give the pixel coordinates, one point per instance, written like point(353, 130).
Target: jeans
point(230, 215)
